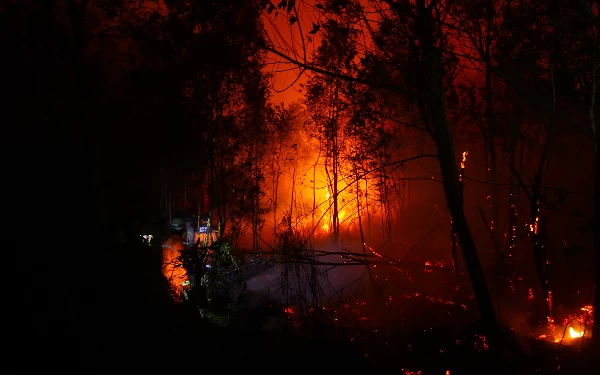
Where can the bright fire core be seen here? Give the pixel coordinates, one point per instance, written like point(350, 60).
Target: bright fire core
point(315, 202)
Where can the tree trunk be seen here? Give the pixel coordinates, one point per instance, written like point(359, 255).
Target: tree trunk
point(596, 329)
point(537, 226)
point(367, 207)
point(256, 202)
point(491, 143)
point(275, 185)
point(360, 226)
point(592, 102)
point(513, 218)
point(447, 159)
point(336, 165)
point(492, 125)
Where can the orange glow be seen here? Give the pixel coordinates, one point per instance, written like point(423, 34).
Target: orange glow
point(317, 190)
point(574, 334)
point(534, 227)
point(461, 174)
point(564, 332)
point(464, 159)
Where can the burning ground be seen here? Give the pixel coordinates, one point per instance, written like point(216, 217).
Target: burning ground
point(417, 317)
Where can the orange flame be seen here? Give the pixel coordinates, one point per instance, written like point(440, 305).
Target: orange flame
point(462, 165)
point(464, 159)
point(557, 332)
point(574, 334)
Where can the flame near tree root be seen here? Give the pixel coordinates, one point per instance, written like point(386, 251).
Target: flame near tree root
point(574, 327)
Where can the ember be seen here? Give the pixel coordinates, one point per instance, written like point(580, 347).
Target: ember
point(480, 343)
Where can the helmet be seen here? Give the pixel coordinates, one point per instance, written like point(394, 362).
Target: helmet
point(177, 223)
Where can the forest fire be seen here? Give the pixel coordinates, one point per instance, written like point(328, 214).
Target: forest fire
point(573, 327)
point(178, 108)
point(327, 216)
point(318, 208)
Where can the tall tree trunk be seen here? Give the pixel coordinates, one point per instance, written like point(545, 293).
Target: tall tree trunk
point(314, 206)
point(367, 207)
point(256, 202)
point(336, 165)
point(491, 144)
point(274, 183)
point(513, 201)
point(336, 220)
point(447, 159)
point(592, 102)
point(453, 234)
point(536, 225)
point(360, 226)
point(596, 329)
point(491, 122)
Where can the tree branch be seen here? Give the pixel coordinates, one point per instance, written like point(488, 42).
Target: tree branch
point(519, 89)
point(393, 88)
point(527, 193)
point(402, 122)
point(103, 32)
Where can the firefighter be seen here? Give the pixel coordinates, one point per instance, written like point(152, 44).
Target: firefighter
point(171, 265)
point(206, 233)
point(206, 236)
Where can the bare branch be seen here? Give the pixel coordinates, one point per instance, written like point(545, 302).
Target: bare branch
point(104, 31)
point(393, 88)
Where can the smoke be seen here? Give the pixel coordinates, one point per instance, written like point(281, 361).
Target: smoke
point(335, 281)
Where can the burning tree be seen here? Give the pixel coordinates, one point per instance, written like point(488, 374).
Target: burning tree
point(447, 59)
point(329, 109)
